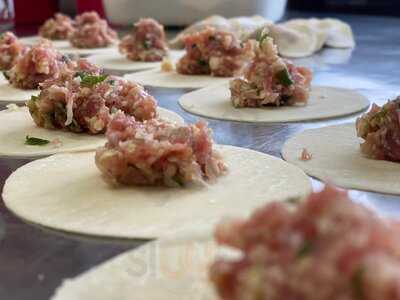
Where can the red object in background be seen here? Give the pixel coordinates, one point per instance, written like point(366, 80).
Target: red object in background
point(89, 5)
point(34, 11)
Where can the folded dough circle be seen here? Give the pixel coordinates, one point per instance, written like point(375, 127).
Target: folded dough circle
point(339, 33)
point(118, 62)
point(295, 41)
point(336, 158)
point(158, 78)
point(324, 103)
point(161, 270)
point(88, 205)
point(17, 123)
point(303, 37)
point(305, 25)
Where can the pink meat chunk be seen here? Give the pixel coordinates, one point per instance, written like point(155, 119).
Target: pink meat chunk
point(380, 129)
point(270, 80)
point(37, 64)
point(92, 32)
point(214, 52)
point(10, 50)
point(157, 152)
point(146, 42)
point(57, 28)
point(84, 100)
point(323, 248)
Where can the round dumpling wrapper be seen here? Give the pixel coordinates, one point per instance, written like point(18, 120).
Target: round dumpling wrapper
point(324, 103)
point(119, 62)
point(31, 40)
point(336, 158)
point(174, 268)
point(16, 123)
point(9, 93)
point(71, 50)
point(158, 78)
point(88, 205)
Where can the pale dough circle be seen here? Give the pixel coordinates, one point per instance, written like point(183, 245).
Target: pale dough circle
point(324, 103)
point(65, 47)
point(88, 205)
point(119, 62)
point(70, 50)
point(32, 40)
point(8, 93)
point(16, 124)
point(336, 158)
point(161, 270)
point(158, 78)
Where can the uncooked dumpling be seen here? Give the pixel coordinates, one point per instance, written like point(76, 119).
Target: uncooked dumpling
point(294, 42)
point(243, 26)
point(304, 37)
point(339, 34)
point(313, 24)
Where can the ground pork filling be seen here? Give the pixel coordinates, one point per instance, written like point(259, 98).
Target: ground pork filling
point(157, 152)
point(214, 52)
point(146, 42)
point(10, 50)
point(270, 80)
point(84, 100)
point(380, 130)
point(324, 248)
point(57, 28)
point(92, 32)
point(37, 64)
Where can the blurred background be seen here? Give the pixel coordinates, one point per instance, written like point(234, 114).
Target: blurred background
point(184, 12)
point(369, 7)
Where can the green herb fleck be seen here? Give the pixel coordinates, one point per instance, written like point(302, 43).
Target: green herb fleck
point(34, 141)
point(80, 74)
point(379, 117)
point(262, 37)
point(65, 58)
point(88, 80)
point(284, 77)
point(34, 98)
point(5, 74)
point(202, 62)
point(357, 284)
point(305, 249)
point(112, 81)
point(293, 200)
point(178, 180)
point(147, 44)
point(74, 126)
